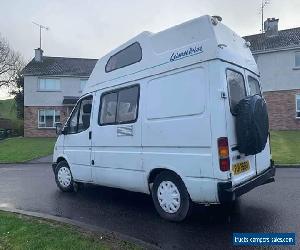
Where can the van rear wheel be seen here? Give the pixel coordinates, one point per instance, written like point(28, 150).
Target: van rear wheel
point(63, 177)
point(170, 197)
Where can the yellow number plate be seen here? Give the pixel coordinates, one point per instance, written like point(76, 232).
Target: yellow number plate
point(241, 167)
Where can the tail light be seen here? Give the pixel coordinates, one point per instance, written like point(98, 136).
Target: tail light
point(223, 149)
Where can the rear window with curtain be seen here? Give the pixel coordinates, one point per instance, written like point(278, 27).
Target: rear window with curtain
point(253, 86)
point(236, 88)
point(128, 56)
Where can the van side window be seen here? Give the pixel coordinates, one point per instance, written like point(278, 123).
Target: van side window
point(85, 114)
point(120, 106)
point(236, 88)
point(108, 108)
point(130, 55)
point(72, 128)
point(254, 86)
point(127, 104)
point(80, 118)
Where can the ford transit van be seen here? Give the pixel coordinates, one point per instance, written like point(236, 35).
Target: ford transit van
point(177, 114)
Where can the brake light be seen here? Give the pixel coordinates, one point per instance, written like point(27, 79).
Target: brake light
point(223, 149)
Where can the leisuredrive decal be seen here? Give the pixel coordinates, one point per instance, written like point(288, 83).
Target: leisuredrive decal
point(185, 53)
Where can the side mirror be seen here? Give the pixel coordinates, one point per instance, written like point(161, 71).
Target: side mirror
point(59, 128)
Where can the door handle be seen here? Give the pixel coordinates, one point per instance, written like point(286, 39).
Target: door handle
point(93, 162)
point(90, 135)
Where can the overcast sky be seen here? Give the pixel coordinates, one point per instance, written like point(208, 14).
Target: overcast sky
point(91, 28)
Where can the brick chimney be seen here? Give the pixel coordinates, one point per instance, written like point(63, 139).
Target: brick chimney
point(38, 57)
point(271, 27)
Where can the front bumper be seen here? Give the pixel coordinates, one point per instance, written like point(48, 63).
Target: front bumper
point(227, 192)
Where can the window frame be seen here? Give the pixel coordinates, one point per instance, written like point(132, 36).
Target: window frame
point(141, 57)
point(228, 89)
point(77, 118)
point(117, 92)
point(48, 90)
point(297, 96)
point(250, 76)
point(295, 54)
point(54, 116)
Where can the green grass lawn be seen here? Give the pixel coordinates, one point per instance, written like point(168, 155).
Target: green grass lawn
point(20, 149)
point(23, 232)
point(285, 147)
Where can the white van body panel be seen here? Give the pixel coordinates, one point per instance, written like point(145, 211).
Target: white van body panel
point(183, 108)
point(117, 154)
point(162, 50)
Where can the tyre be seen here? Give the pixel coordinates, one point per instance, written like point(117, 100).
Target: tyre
point(170, 197)
point(252, 125)
point(63, 177)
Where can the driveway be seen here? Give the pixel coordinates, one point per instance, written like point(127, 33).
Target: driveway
point(270, 208)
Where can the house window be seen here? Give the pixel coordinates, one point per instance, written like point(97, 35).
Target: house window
point(49, 84)
point(82, 84)
point(48, 118)
point(298, 106)
point(297, 59)
point(120, 106)
point(130, 55)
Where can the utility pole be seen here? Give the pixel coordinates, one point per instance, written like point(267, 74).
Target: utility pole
point(264, 3)
point(41, 27)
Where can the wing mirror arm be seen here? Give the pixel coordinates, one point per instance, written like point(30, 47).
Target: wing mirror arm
point(64, 131)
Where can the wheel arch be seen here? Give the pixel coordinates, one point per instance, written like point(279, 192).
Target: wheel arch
point(61, 158)
point(156, 171)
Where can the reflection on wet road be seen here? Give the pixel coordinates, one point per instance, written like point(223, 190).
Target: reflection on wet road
point(270, 208)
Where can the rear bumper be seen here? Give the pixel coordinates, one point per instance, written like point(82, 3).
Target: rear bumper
point(227, 192)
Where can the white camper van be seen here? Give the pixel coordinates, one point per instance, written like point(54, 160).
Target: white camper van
point(177, 114)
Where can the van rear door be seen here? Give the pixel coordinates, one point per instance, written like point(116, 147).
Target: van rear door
point(263, 158)
point(242, 167)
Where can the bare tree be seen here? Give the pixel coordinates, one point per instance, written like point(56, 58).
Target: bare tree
point(11, 63)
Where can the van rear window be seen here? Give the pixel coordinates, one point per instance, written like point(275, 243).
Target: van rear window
point(236, 88)
point(253, 86)
point(130, 55)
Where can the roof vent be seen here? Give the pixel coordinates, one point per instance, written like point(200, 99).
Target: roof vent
point(271, 27)
point(216, 19)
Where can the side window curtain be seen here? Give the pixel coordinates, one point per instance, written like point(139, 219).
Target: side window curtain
point(108, 109)
point(127, 105)
point(236, 88)
point(120, 106)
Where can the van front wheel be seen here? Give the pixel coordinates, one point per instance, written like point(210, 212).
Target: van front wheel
point(170, 197)
point(63, 177)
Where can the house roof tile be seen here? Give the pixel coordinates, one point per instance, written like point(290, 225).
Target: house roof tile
point(288, 38)
point(62, 66)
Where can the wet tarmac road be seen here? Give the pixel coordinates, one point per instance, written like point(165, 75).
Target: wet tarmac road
point(274, 207)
